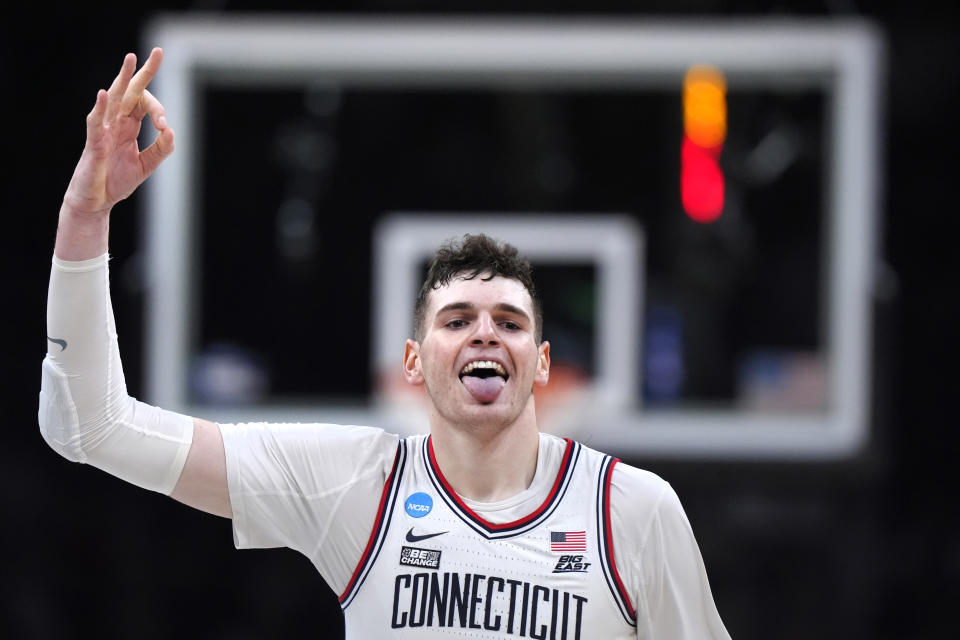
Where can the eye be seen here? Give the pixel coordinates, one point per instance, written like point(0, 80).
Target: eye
point(510, 325)
point(456, 324)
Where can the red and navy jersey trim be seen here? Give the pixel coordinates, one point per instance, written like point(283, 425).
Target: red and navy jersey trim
point(380, 527)
point(490, 530)
point(605, 543)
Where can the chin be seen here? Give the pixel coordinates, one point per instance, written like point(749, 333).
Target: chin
point(497, 413)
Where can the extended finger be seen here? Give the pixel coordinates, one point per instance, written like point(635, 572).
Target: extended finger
point(138, 84)
point(120, 83)
point(95, 117)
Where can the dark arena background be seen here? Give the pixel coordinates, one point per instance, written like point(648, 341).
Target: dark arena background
point(861, 544)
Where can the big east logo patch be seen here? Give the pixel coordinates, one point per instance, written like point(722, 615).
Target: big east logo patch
point(571, 564)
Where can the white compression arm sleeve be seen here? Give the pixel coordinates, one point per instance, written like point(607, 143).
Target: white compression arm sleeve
point(85, 413)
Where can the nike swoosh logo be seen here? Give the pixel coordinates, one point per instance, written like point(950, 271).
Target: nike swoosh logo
point(62, 343)
point(414, 538)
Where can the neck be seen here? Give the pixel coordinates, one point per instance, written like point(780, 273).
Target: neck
point(488, 464)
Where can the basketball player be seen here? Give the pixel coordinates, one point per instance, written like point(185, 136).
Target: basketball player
point(486, 528)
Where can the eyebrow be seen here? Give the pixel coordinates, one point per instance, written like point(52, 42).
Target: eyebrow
point(469, 306)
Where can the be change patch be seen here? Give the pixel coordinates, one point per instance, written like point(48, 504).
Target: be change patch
point(414, 557)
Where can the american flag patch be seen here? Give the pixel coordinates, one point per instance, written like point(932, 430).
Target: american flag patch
point(564, 541)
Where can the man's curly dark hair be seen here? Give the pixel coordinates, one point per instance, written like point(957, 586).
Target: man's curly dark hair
point(476, 255)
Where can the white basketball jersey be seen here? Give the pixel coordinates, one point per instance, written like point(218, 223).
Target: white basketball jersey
point(433, 568)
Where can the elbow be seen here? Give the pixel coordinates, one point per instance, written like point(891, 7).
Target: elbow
point(143, 445)
point(57, 414)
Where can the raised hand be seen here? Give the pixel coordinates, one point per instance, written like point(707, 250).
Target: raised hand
point(112, 165)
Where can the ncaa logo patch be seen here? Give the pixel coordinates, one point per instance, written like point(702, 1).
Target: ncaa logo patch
point(418, 505)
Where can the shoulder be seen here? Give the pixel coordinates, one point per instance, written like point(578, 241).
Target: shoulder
point(317, 448)
point(278, 432)
point(638, 496)
point(642, 489)
point(635, 480)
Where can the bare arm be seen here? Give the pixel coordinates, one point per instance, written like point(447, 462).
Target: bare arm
point(203, 483)
point(110, 169)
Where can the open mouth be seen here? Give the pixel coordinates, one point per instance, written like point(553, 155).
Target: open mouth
point(484, 379)
point(484, 369)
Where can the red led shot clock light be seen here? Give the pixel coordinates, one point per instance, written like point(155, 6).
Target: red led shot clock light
point(704, 132)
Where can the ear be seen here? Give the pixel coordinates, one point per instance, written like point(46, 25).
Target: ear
point(411, 363)
point(543, 364)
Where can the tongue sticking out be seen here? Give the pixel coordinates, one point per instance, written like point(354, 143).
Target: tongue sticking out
point(484, 389)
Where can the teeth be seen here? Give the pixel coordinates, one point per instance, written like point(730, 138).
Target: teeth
point(484, 364)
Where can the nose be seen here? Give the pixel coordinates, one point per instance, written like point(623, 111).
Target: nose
point(486, 331)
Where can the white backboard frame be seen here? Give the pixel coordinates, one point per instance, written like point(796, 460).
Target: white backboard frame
point(845, 58)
